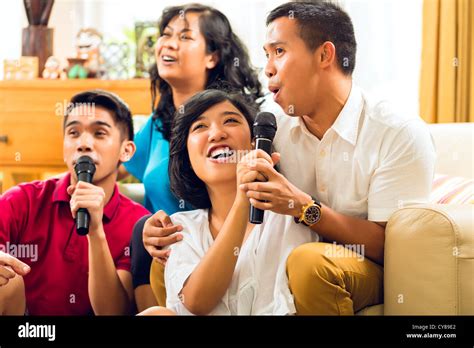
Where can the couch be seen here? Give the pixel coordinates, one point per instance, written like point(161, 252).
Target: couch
point(429, 248)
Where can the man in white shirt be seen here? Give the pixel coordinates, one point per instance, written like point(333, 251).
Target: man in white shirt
point(346, 161)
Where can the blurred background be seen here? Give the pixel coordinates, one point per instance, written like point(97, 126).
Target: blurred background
point(388, 32)
point(416, 53)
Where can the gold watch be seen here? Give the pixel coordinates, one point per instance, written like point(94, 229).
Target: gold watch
point(310, 213)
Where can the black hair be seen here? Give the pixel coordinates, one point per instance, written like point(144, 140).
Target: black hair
point(184, 182)
point(321, 21)
point(109, 101)
point(233, 64)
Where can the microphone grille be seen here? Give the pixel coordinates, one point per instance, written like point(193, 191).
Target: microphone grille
point(265, 125)
point(84, 159)
point(84, 164)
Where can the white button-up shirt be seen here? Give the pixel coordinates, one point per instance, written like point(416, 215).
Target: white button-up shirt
point(371, 161)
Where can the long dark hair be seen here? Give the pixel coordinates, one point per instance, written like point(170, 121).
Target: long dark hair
point(184, 182)
point(233, 64)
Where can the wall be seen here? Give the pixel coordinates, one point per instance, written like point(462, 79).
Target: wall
point(388, 33)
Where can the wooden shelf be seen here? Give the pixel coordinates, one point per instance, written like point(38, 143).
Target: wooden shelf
point(136, 92)
point(40, 83)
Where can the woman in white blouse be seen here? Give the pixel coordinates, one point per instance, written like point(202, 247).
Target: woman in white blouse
point(224, 265)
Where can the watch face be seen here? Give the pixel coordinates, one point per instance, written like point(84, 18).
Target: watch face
point(312, 215)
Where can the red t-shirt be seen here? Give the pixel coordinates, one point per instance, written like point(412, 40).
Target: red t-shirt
point(37, 227)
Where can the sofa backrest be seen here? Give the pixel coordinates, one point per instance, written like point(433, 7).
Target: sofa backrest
point(454, 148)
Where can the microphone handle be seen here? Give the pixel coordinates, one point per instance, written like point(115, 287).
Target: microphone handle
point(82, 217)
point(82, 221)
point(256, 215)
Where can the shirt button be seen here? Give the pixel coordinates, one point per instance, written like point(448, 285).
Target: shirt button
point(322, 153)
point(323, 188)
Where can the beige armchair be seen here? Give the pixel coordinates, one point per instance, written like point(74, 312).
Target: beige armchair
point(429, 249)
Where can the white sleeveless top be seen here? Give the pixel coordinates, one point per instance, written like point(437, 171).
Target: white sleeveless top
point(259, 285)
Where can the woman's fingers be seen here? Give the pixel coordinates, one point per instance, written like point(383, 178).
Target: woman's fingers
point(276, 158)
point(252, 176)
point(164, 241)
point(260, 154)
point(260, 196)
point(257, 156)
point(160, 254)
point(155, 236)
point(150, 231)
point(160, 219)
point(264, 168)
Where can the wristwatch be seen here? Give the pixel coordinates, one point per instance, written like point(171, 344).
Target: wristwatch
point(310, 213)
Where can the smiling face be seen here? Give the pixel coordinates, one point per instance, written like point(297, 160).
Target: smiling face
point(293, 70)
point(215, 141)
point(181, 53)
point(93, 132)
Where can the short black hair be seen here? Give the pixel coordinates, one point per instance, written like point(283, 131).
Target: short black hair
point(184, 182)
point(109, 101)
point(321, 21)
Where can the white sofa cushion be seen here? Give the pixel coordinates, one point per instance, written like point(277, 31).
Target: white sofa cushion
point(454, 148)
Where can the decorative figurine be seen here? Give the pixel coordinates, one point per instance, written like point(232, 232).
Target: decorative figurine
point(88, 60)
point(52, 68)
point(77, 70)
point(88, 43)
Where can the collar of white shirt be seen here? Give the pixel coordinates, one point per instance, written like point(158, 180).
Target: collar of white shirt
point(347, 122)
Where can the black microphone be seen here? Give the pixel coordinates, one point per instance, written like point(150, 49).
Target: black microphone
point(264, 130)
point(85, 169)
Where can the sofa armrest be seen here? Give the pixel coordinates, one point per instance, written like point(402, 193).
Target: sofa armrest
point(135, 192)
point(429, 261)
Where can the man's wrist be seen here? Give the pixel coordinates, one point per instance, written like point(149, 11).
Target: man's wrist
point(303, 200)
point(96, 233)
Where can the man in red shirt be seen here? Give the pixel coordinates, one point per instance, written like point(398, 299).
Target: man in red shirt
point(61, 272)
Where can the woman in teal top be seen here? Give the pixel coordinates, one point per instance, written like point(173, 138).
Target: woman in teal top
point(150, 166)
point(196, 50)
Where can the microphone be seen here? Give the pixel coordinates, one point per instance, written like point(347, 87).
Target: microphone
point(264, 130)
point(85, 169)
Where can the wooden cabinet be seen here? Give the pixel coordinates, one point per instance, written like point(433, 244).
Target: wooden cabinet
point(31, 115)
